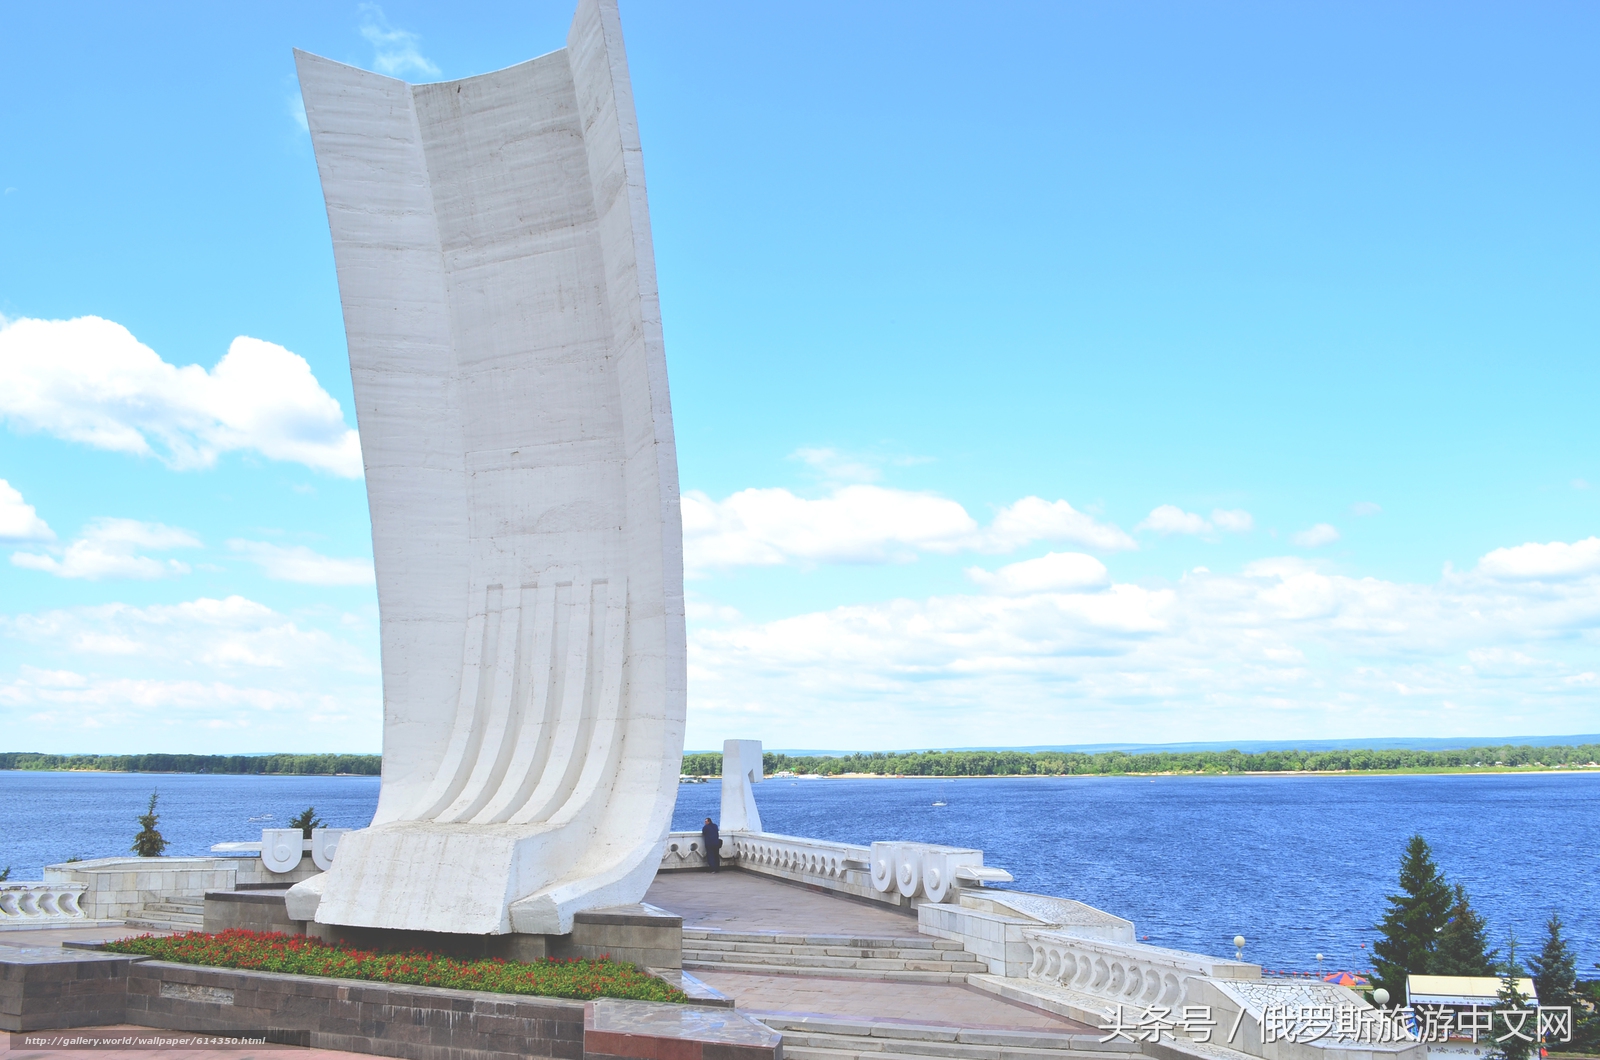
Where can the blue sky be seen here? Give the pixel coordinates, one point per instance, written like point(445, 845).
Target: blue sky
point(1042, 373)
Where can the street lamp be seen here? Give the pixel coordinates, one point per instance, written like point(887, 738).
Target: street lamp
point(1238, 947)
point(1319, 966)
point(1381, 996)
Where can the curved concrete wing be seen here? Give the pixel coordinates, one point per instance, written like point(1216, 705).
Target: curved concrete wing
point(494, 259)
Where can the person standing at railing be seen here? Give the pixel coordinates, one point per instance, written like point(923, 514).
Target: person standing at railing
point(713, 844)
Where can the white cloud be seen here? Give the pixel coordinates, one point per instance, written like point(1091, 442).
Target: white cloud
point(1553, 561)
point(120, 677)
point(89, 380)
point(1035, 519)
point(1233, 520)
point(395, 51)
point(1170, 519)
point(1052, 572)
point(300, 564)
point(868, 524)
point(226, 634)
point(109, 548)
point(1366, 508)
point(1278, 650)
point(1316, 536)
point(834, 466)
point(18, 520)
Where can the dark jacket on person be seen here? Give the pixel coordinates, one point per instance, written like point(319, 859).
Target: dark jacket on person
point(713, 843)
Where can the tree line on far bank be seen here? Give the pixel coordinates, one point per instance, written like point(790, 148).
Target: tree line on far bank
point(301, 765)
point(1112, 763)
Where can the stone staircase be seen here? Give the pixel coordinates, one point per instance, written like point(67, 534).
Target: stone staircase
point(913, 959)
point(818, 1038)
point(170, 914)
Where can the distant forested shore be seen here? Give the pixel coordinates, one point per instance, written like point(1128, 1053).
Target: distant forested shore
point(295, 765)
point(914, 763)
point(1115, 763)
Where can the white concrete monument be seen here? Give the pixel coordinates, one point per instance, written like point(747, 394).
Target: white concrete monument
point(742, 766)
point(494, 259)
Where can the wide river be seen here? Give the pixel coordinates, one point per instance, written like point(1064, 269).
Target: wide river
point(1298, 865)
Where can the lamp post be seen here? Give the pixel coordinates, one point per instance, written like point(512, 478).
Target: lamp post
point(1319, 966)
point(1238, 947)
point(1381, 996)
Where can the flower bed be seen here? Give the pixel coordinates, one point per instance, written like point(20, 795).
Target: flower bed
point(300, 955)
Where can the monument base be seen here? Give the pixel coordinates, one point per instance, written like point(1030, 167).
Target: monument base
point(639, 934)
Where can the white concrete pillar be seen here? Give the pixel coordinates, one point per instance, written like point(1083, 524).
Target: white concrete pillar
point(741, 768)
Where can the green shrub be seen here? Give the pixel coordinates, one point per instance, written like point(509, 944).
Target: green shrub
point(300, 955)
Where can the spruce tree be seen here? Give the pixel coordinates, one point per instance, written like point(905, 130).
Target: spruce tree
point(1410, 929)
point(1510, 1002)
point(149, 843)
point(307, 821)
point(1555, 970)
point(1462, 948)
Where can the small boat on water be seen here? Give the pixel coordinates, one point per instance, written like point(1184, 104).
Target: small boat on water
point(941, 804)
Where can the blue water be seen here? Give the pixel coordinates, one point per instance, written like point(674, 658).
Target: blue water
point(1298, 865)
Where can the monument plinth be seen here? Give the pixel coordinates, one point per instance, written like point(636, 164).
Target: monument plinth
point(493, 250)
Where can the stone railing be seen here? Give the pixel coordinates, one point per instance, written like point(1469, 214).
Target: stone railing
point(1123, 973)
point(936, 872)
point(686, 850)
point(35, 903)
point(115, 888)
point(810, 858)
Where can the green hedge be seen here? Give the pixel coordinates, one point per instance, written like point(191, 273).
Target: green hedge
point(300, 955)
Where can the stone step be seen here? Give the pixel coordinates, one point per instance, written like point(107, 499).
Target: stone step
point(908, 953)
point(825, 1038)
point(162, 924)
point(806, 960)
point(918, 942)
point(890, 975)
point(174, 905)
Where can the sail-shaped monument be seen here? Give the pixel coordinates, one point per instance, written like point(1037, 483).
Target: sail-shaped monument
point(493, 249)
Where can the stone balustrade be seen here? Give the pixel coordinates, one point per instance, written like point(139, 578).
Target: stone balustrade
point(37, 904)
point(1128, 973)
point(686, 850)
point(810, 858)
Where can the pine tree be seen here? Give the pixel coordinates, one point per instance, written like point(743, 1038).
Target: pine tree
point(1511, 1000)
point(307, 821)
point(149, 843)
point(1462, 948)
point(1555, 970)
point(1410, 929)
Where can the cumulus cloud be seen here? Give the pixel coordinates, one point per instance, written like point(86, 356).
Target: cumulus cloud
point(1170, 519)
point(1316, 536)
point(1280, 648)
point(869, 524)
point(1052, 572)
point(298, 563)
point(18, 519)
point(1035, 519)
point(1233, 520)
point(396, 52)
point(89, 380)
point(109, 548)
point(1555, 560)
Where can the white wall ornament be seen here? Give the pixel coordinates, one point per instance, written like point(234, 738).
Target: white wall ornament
point(930, 870)
point(742, 768)
point(492, 242)
point(281, 848)
point(324, 841)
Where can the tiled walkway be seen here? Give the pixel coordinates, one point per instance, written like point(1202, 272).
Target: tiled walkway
point(742, 901)
point(925, 1003)
point(731, 900)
